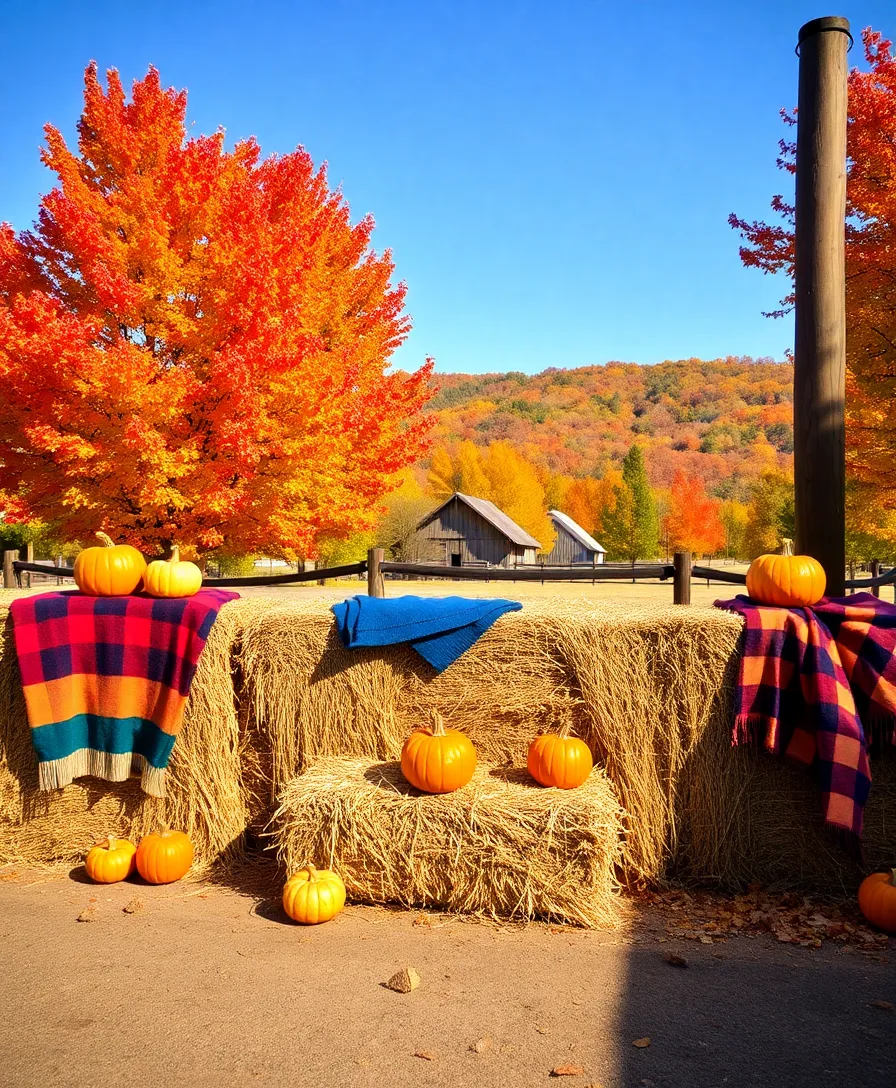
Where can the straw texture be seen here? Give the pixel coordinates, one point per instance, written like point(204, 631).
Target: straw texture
point(501, 846)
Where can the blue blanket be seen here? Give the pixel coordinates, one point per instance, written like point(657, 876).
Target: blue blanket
point(439, 628)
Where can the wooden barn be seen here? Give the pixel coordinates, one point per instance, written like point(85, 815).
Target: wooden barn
point(474, 532)
point(573, 546)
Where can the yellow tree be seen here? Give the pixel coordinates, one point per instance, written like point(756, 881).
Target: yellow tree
point(516, 489)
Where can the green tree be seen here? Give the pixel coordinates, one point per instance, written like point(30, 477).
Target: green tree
point(631, 528)
point(770, 515)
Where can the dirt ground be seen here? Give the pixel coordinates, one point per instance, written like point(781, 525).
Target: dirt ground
point(204, 985)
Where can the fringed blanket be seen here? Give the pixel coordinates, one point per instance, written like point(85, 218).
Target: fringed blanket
point(815, 685)
point(106, 680)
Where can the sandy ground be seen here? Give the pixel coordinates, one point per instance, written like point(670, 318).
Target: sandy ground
point(204, 985)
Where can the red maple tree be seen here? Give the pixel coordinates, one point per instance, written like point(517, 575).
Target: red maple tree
point(195, 342)
point(870, 270)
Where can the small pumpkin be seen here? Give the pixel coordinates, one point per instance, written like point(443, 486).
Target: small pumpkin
point(313, 895)
point(557, 759)
point(788, 580)
point(164, 856)
point(172, 577)
point(877, 900)
point(110, 570)
point(110, 860)
point(436, 759)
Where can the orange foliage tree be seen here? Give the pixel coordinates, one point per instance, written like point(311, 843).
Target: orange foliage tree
point(693, 522)
point(870, 268)
point(194, 342)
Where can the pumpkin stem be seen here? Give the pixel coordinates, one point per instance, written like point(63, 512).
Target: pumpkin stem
point(312, 872)
point(563, 731)
point(164, 829)
point(107, 540)
point(786, 546)
point(175, 553)
point(438, 724)
point(111, 841)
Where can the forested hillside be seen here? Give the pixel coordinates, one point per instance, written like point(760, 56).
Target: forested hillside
point(725, 421)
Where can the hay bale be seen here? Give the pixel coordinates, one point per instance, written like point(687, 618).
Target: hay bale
point(206, 794)
point(501, 846)
point(640, 684)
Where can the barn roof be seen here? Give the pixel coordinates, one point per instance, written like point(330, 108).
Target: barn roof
point(576, 531)
point(495, 517)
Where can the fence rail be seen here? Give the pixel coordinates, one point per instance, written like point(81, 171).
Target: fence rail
point(682, 571)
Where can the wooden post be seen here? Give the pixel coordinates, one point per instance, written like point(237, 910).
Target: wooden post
point(819, 390)
point(29, 558)
point(681, 582)
point(875, 573)
point(9, 575)
point(376, 587)
point(58, 563)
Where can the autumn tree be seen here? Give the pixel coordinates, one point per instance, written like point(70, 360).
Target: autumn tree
point(500, 474)
point(733, 514)
point(870, 275)
point(693, 522)
point(770, 514)
point(195, 342)
point(631, 529)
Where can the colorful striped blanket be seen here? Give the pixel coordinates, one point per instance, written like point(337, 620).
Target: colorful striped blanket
point(815, 684)
point(106, 680)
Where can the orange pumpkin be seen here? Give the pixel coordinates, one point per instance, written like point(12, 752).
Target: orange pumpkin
point(313, 895)
point(113, 570)
point(110, 860)
point(557, 759)
point(792, 581)
point(877, 900)
point(438, 760)
point(164, 856)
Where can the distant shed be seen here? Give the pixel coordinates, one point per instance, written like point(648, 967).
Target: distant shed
point(474, 532)
point(573, 545)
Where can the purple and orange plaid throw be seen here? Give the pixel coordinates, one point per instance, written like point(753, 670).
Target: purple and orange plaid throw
point(814, 685)
point(106, 680)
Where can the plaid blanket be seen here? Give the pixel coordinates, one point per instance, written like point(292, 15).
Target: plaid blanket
point(106, 680)
point(817, 685)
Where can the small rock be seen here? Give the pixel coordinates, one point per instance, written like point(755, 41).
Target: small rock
point(88, 914)
point(675, 960)
point(133, 906)
point(403, 981)
point(480, 1046)
point(426, 1055)
point(567, 1070)
point(886, 1005)
point(641, 1043)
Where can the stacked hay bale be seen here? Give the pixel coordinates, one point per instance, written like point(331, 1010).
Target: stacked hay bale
point(501, 846)
point(206, 796)
point(642, 685)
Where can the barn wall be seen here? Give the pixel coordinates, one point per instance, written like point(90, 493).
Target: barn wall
point(567, 550)
point(461, 530)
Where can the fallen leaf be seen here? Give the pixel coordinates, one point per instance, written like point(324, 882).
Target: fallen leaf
point(675, 960)
point(878, 1004)
point(706, 940)
point(403, 981)
point(426, 1055)
point(567, 1070)
point(641, 1043)
point(88, 914)
point(133, 906)
point(480, 1045)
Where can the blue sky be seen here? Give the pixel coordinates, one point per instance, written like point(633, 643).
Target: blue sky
point(554, 179)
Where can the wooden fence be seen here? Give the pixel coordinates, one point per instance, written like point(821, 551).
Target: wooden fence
point(681, 571)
